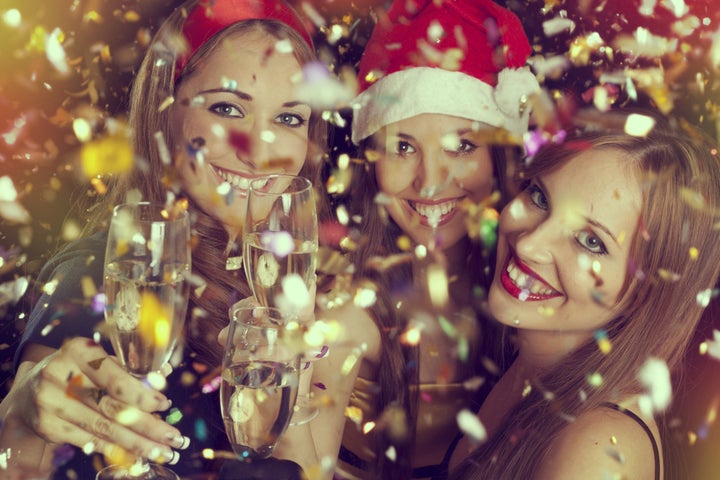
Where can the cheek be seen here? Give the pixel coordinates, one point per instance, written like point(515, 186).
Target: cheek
point(293, 145)
point(476, 176)
point(198, 129)
point(392, 177)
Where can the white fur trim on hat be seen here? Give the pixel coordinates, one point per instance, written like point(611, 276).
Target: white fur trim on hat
point(414, 91)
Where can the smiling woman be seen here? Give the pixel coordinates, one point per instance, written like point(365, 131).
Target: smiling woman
point(599, 284)
point(440, 113)
point(213, 105)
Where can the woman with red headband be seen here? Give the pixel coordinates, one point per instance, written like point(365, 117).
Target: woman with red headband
point(213, 105)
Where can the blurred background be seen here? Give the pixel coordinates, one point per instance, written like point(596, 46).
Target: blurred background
point(66, 67)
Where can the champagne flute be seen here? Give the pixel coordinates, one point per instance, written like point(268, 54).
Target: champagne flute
point(147, 260)
point(280, 245)
point(260, 379)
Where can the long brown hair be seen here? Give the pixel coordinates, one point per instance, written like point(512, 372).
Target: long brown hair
point(658, 309)
point(378, 237)
point(153, 175)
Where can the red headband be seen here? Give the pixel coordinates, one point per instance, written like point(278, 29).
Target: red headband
point(211, 16)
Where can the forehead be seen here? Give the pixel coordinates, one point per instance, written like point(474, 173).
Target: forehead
point(428, 125)
point(253, 52)
point(602, 184)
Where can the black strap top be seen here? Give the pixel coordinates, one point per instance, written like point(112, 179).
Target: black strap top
point(656, 451)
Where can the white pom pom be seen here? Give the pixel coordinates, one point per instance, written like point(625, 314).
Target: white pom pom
point(512, 86)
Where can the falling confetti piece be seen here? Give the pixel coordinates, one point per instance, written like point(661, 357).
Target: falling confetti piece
point(713, 346)
point(471, 425)
point(655, 377)
point(110, 155)
point(639, 125)
point(55, 52)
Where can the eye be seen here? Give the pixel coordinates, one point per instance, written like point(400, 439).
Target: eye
point(464, 147)
point(226, 110)
point(591, 242)
point(467, 146)
point(404, 148)
point(290, 119)
point(537, 196)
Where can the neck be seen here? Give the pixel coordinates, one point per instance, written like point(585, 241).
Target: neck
point(455, 262)
point(540, 350)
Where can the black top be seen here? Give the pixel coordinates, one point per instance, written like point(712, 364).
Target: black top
point(656, 451)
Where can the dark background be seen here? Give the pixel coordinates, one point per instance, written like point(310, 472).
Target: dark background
point(105, 41)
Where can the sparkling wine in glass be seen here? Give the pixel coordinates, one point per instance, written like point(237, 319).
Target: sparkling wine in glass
point(280, 248)
point(280, 238)
point(260, 379)
point(147, 261)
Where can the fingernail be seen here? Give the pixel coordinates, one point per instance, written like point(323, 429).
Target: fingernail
point(174, 458)
point(181, 442)
point(163, 455)
point(166, 370)
point(165, 404)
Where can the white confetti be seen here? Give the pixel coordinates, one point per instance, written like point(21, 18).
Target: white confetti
point(471, 425)
point(55, 52)
point(8, 193)
point(713, 346)
point(558, 25)
point(654, 375)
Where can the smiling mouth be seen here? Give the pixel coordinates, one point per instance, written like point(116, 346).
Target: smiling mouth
point(436, 214)
point(520, 282)
point(236, 181)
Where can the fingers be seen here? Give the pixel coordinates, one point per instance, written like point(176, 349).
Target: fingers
point(98, 422)
point(105, 372)
point(82, 396)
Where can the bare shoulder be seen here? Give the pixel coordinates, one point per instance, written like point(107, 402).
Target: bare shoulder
point(358, 329)
point(602, 443)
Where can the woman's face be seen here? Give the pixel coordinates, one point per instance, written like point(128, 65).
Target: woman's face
point(235, 118)
point(429, 164)
point(563, 245)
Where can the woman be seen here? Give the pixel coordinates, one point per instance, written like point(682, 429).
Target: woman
point(605, 263)
point(443, 90)
point(213, 105)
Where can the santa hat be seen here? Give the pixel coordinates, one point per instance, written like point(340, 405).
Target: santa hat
point(211, 16)
point(464, 58)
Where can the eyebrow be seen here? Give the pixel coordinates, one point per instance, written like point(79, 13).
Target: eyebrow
point(589, 220)
point(247, 97)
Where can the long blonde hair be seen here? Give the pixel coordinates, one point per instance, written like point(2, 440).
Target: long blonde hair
point(658, 310)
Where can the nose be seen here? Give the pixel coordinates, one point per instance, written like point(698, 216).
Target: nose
point(535, 238)
point(432, 173)
point(254, 149)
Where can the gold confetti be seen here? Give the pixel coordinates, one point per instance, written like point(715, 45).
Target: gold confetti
point(667, 275)
point(546, 311)
point(154, 321)
point(110, 155)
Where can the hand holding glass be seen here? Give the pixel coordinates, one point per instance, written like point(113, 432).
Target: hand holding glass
point(147, 260)
point(259, 380)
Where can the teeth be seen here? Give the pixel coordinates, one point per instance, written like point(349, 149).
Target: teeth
point(235, 180)
point(526, 282)
point(434, 211)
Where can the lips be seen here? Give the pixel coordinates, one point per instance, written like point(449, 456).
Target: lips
point(237, 181)
point(434, 214)
point(523, 283)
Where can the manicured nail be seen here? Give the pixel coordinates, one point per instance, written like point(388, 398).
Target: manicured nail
point(175, 458)
point(163, 455)
point(181, 442)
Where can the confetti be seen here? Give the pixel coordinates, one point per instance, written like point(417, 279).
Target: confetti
point(471, 425)
point(655, 377)
point(712, 347)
